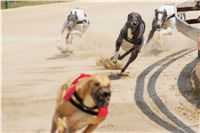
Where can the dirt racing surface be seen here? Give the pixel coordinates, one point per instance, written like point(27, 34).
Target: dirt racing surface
point(155, 96)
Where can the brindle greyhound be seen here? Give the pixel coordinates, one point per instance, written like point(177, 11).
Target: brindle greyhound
point(131, 33)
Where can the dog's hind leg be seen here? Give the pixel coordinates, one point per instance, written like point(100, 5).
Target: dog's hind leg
point(150, 36)
point(120, 57)
point(90, 128)
point(125, 54)
point(58, 124)
point(133, 56)
point(53, 127)
point(151, 33)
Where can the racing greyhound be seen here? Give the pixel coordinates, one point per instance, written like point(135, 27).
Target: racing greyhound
point(130, 35)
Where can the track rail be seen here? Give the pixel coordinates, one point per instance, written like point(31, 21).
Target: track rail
point(185, 26)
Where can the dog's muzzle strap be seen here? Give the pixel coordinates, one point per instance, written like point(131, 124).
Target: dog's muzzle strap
point(173, 15)
point(81, 22)
point(82, 108)
point(134, 41)
point(80, 100)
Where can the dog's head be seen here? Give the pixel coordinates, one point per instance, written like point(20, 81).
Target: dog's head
point(133, 21)
point(100, 90)
point(72, 19)
point(160, 18)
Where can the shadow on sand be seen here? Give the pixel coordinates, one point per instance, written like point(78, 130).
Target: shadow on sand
point(185, 85)
point(58, 56)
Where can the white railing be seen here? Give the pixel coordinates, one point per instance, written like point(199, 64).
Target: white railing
point(186, 29)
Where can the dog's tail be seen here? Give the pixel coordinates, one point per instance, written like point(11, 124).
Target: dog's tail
point(62, 90)
point(61, 93)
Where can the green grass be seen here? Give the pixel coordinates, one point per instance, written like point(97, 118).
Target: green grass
point(14, 4)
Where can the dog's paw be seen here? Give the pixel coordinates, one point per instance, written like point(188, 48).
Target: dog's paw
point(122, 74)
point(112, 57)
point(108, 64)
point(113, 61)
point(65, 50)
point(68, 42)
point(60, 130)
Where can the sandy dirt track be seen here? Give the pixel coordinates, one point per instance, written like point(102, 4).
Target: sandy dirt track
point(156, 96)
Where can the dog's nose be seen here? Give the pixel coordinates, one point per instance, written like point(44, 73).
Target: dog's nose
point(134, 23)
point(106, 94)
point(158, 27)
point(69, 28)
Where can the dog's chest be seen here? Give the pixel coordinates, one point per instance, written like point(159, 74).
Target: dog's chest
point(129, 33)
point(81, 119)
point(166, 24)
point(78, 28)
point(126, 46)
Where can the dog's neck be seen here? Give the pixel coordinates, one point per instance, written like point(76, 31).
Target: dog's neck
point(129, 33)
point(82, 89)
point(88, 101)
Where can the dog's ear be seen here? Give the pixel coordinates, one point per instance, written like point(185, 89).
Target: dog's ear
point(69, 17)
point(93, 86)
point(129, 17)
point(156, 10)
point(92, 83)
point(141, 30)
point(139, 18)
point(76, 17)
point(165, 12)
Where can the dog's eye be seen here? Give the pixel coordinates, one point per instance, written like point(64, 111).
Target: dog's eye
point(109, 86)
point(97, 84)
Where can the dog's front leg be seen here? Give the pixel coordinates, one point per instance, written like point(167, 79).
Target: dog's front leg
point(133, 56)
point(151, 33)
point(53, 127)
point(90, 128)
point(198, 47)
point(168, 31)
point(116, 54)
point(150, 36)
point(58, 124)
point(117, 47)
point(125, 54)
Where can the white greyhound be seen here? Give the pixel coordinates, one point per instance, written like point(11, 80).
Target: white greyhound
point(164, 20)
point(76, 22)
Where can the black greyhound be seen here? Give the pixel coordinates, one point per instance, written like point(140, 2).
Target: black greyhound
point(131, 33)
